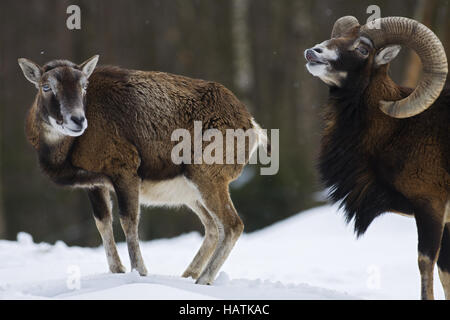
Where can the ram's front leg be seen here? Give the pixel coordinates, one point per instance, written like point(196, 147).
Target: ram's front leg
point(430, 220)
point(127, 192)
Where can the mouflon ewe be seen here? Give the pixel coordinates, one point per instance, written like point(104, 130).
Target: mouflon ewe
point(114, 134)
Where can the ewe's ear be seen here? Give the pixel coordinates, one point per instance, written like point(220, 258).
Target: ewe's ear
point(387, 54)
point(89, 65)
point(32, 71)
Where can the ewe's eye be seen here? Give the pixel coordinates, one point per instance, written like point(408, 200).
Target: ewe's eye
point(46, 88)
point(363, 50)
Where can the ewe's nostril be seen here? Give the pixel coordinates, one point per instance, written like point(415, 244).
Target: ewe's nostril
point(78, 120)
point(318, 50)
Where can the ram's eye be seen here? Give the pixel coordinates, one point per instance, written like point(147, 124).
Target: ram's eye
point(363, 50)
point(85, 86)
point(46, 88)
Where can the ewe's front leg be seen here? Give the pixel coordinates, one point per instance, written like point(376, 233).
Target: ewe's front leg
point(127, 191)
point(101, 205)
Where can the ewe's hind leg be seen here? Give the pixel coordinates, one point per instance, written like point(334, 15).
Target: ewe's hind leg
point(444, 256)
point(209, 243)
point(430, 227)
point(217, 201)
point(127, 191)
point(101, 205)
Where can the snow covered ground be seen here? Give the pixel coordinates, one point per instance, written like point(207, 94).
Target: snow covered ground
point(309, 256)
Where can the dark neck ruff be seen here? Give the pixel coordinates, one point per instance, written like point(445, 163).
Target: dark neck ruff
point(348, 172)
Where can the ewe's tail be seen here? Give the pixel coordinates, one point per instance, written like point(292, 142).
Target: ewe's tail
point(261, 137)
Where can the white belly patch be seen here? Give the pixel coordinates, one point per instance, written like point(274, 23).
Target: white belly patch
point(174, 192)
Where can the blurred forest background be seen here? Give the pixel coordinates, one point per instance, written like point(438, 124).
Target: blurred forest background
point(253, 47)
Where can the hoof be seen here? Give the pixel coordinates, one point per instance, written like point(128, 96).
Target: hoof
point(204, 281)
point(142, 271)
point(118, 269)
point(193, 275)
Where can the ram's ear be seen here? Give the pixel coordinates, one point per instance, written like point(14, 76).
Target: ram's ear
point(387, 54)
point(89, 65)
point(32, 71)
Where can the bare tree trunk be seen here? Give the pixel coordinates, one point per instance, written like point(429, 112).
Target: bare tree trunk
point(425, 12)
point(446, 30)
point(2, 217)
point(2, 107)
point(243, 75)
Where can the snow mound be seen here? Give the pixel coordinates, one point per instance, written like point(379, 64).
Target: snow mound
point(313, 255)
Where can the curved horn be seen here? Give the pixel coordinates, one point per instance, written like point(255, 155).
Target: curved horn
point(342, 25)
point(408, 32)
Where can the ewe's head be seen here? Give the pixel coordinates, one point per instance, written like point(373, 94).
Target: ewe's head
point(355, 52)
point(62, 89)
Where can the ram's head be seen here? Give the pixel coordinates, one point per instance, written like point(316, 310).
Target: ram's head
point(354, 52)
